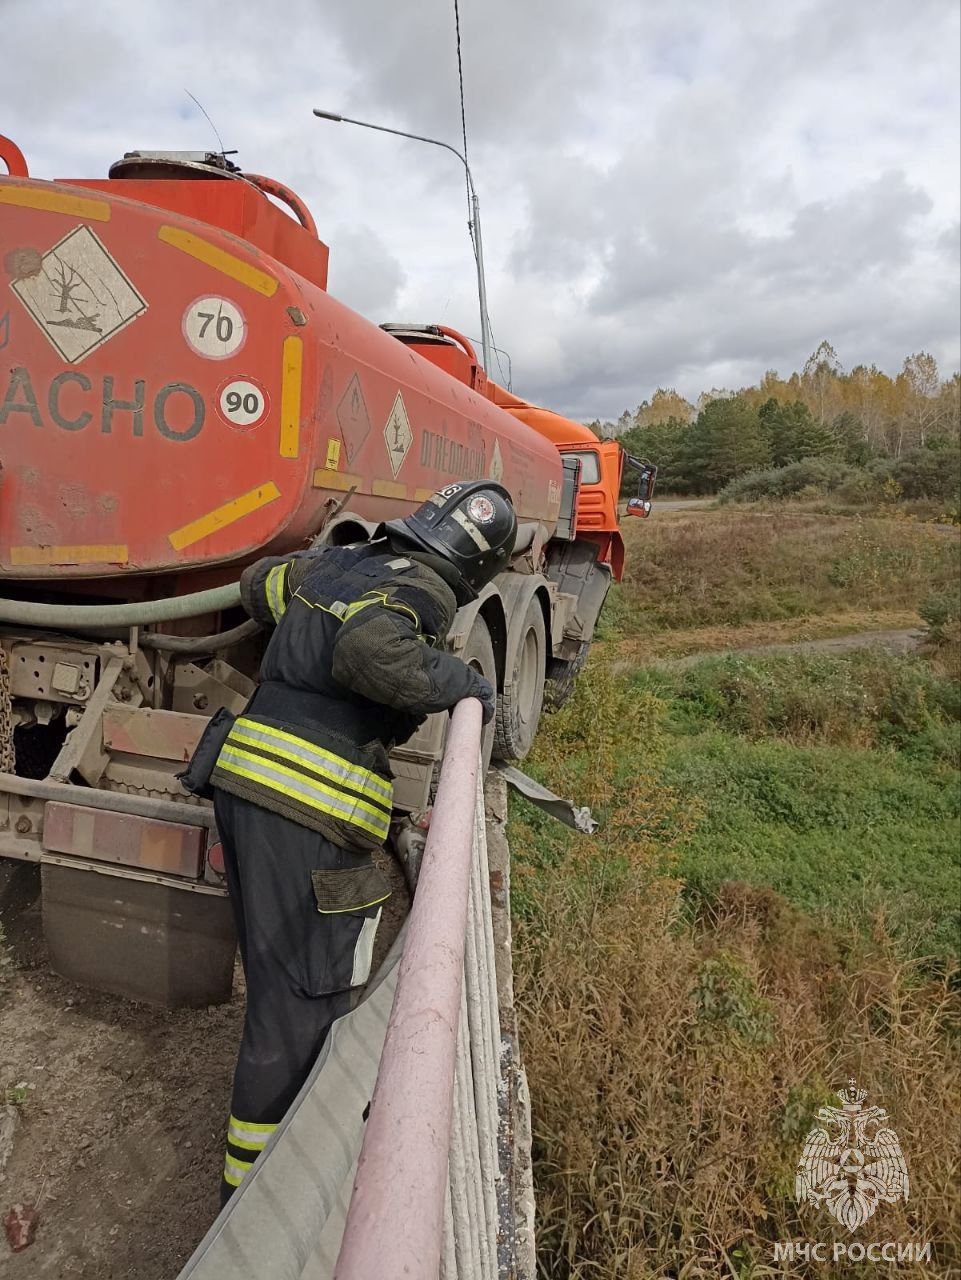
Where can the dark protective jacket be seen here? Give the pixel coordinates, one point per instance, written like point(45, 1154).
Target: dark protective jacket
point(351, 669)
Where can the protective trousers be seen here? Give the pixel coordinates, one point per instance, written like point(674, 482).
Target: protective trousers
point(306, 913)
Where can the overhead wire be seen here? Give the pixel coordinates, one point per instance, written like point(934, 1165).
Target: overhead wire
point(467, 181)
point(463, 123)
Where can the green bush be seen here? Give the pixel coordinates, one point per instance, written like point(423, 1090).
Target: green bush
point(818, 475)
point(726, 999)
point(925, 473)
point(918, 474)
point(942, 613)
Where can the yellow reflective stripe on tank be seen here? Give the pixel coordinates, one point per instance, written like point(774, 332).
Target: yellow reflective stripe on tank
point(274, 587)
point(236, 1170)
point(314, 758)
point(251, 1137)
point(277, 777)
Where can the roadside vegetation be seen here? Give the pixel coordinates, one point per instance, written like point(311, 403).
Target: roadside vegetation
point(719, 579)
point(923, 483)
point(770, 906)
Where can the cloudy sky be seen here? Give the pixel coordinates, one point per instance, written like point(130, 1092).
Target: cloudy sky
point(674, 192)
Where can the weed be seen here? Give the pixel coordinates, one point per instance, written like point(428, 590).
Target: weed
point(852, 836)
point(726, 999)
point(5, 962)
point(942, 613)
point(674, 1069)
point(869, 557)
point(16, 1095)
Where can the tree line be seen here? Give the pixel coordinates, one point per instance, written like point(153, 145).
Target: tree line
point(822, 412)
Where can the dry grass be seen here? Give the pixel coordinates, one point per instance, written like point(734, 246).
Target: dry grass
point(675, 1072)
point(711, 569)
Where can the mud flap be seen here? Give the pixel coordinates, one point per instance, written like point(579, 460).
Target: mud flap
point(146, 941)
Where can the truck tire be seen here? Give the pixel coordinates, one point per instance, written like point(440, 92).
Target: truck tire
point(478, 653)
point(560, 678)
point(519, 706)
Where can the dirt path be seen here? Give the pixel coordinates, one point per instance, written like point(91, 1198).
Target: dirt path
point(681, 504)
point(892, 641)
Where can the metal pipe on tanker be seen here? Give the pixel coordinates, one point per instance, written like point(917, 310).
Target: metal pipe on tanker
point(196, 815)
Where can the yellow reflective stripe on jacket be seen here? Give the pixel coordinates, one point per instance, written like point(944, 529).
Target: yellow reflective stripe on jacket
point(288, 782)
point(313, 758)
point(250, 1137)
point(380, 597)
point(236, 1170)
point(274, 588)
point(344, 612)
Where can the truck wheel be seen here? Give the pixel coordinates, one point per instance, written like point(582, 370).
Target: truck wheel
point(478, 653)
point(560, 679)
point(519, 706)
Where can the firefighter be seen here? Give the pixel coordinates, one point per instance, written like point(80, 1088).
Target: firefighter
point(302, 789)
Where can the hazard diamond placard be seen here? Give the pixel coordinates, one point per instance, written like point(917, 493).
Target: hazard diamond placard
point(78, 294)
point(398, 435)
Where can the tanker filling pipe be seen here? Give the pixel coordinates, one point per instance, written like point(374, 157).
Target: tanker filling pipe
point(137, 614)
point(176, 644)
point(199, 644)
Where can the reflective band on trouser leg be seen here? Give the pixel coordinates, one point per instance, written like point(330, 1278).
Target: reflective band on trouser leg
point(236, 1170)
point(274, 587)
point(288, 746)
point(290, 783)
point(249, 1137)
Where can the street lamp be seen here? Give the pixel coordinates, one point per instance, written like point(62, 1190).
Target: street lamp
point(475, 211)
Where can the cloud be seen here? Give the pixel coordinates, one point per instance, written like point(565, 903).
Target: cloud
point(670, 195)
point(372, 277)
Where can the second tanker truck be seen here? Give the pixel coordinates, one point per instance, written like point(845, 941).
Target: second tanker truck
point(179, 395)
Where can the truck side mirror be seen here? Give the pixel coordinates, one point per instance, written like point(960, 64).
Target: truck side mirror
point(646, 476)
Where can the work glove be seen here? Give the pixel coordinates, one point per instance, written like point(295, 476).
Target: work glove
point(482, 689)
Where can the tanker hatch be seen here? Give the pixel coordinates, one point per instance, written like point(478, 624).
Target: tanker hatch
point(174, 164)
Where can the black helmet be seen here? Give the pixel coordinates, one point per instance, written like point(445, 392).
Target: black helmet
point(471, 524)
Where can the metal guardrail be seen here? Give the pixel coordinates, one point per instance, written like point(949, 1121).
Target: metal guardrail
point(397, 1157)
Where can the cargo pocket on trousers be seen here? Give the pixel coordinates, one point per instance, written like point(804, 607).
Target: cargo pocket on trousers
point(350, 900)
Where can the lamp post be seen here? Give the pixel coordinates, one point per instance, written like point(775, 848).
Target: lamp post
point(475, 213)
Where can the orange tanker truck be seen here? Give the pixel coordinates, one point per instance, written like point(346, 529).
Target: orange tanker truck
point(180, 395)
